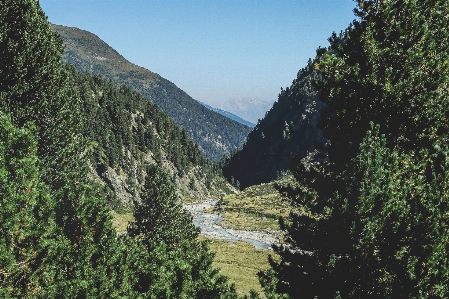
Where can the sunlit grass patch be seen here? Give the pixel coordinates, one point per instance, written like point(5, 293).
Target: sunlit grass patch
point(248, 221)
point(255, 208)
point(241, 262)
point(120, 220)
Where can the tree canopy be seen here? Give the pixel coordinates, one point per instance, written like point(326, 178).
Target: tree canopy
point(374, 195)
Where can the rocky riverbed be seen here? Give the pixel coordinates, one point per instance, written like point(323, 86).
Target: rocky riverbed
point(207, 222)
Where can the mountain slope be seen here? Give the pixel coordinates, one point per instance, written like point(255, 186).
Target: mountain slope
point(126, 133)
point(289, 129)
point(214, 133)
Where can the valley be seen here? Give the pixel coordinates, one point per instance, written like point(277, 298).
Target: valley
point(211, 226)
point(114, 183)
point(237, 223)
point(241, 247)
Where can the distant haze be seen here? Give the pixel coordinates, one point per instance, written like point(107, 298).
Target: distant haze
point(251, 109)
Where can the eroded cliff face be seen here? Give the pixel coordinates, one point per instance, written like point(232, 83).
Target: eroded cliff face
point(192, 187)
point(290, 128)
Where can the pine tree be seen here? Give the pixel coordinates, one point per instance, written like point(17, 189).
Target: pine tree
point(179, 266)
point(374, 217)
point(402, 249)
point(159, 214)
point(33, 85)
point(34, 88)
point(27, 228)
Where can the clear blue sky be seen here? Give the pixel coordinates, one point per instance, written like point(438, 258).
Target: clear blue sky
point(214, 50)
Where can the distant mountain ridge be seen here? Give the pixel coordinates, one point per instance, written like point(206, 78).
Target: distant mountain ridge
point(214, 133)
point(230, 115)
point(251, 109)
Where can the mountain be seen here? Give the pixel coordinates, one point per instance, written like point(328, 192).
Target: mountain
point(126, 133)
point(230, 115)
point(251, 109)
point(290, 128)
point(215, 134)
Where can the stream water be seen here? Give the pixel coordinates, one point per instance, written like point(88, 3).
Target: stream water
point(207, 222)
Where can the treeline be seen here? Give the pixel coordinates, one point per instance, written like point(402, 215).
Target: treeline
point(373, 199)
point(289, 128)
point(56, 238)
point(127, 132)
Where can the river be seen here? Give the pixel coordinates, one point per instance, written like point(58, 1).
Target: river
point(207, 222)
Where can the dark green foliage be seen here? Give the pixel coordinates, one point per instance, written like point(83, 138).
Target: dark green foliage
point(178, 265)
point(32, 83)
point(56, 237)
point(159, 214)
point(289, 129)
point(375, 198)
point(402, 250)
point(394, 76)
point(34, 88)
point(269, 282)
point(78, 265)
point(26, 220)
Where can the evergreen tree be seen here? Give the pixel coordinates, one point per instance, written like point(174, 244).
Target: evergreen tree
point(402, 249)
point(159, 214)
point(178, 265)
point(34, 87)
point(27, 227)
point(374, 217)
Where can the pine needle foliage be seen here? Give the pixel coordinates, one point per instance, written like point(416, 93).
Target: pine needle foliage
point(167, 232)
point(376, 195)
point(26, 214)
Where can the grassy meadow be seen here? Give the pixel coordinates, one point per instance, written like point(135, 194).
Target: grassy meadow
point(255, 208)
point(241, 261)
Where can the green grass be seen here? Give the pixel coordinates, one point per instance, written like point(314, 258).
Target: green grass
point(241, 261)
point(120, 220)
point(255, 208)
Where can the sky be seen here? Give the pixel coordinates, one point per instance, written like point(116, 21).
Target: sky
point(215, 50)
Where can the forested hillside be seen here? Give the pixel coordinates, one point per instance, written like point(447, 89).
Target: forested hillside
point(127, 132)
point(289, 129)
point(215, 134)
